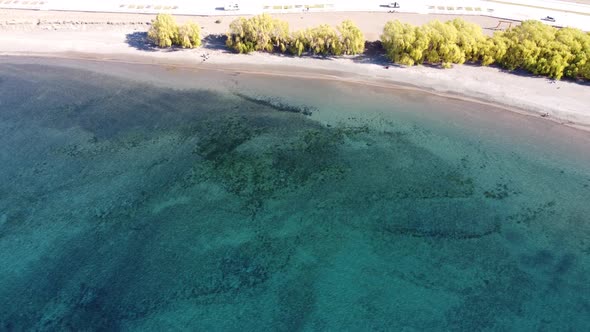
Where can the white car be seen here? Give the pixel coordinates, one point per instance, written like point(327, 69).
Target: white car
point(393, 5)
point(232, 6)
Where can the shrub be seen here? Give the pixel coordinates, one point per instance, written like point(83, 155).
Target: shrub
point(299, 43)
point(435, 42)
point(545, 50)
point(189, 35)
point(346, 38)
point(263, 33)
point(164, 31)
point(399, 41)
point(351, 38)
point(532, 46)
point(259, 33)
point(323, 40)
point(442, 44)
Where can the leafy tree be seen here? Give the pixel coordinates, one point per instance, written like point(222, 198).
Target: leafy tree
point(491, 49)
point(352, 39)
point(346, 38)
point(399, 42)
point(241, 37)
point(532, 46)
point(299, 43)
point(259, 33)
point(324, 40)
point(470, 39)
point(545, 50)
point(578, 44)
point(263, 33)
point(525, 43)
point(164, 31)
point(443, 48)
point(189, 35)
point(435, 42)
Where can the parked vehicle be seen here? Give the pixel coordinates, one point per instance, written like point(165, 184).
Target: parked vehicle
point(548, 18)
point(232, 6)
point(393, 5)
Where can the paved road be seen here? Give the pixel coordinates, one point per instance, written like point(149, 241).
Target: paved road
point(566, 13)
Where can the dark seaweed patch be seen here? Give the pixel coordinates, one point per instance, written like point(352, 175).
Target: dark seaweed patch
point(278, 105)
point(444, 234)
point(500, 192)
point(530, 214)
point(541, 258)
point(498, 298)
point(223, 136)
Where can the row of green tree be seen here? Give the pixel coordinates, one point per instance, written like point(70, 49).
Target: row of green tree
point(165, 32)
point(264, 33)
point(267, 34)
point(533, 46)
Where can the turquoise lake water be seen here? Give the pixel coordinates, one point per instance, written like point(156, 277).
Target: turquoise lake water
point(216, 201)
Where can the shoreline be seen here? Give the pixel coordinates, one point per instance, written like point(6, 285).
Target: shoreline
point(315, 72)
point(565, 102)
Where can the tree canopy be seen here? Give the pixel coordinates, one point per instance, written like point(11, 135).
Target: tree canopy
point(545, 50)
point(351, 37)
point(258, 33)
point(454, 41)
point(189, 35)
point(532, 46)
point(165, 32)
point(264, 33)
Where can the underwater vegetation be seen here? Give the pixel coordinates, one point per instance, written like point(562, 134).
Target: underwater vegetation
point(127, 206)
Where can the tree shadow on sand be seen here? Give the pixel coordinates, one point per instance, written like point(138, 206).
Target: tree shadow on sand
point(139, 40)
point(373, 54)
point(216, 43)
point(524, 73)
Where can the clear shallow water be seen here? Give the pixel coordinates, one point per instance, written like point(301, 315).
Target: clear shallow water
point(131, 206)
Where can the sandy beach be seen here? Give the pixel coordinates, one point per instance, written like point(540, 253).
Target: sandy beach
point(121, 38)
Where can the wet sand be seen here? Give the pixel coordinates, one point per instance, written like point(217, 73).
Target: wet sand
point(121, 38)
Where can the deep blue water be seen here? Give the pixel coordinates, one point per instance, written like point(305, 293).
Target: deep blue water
point(265, 203)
